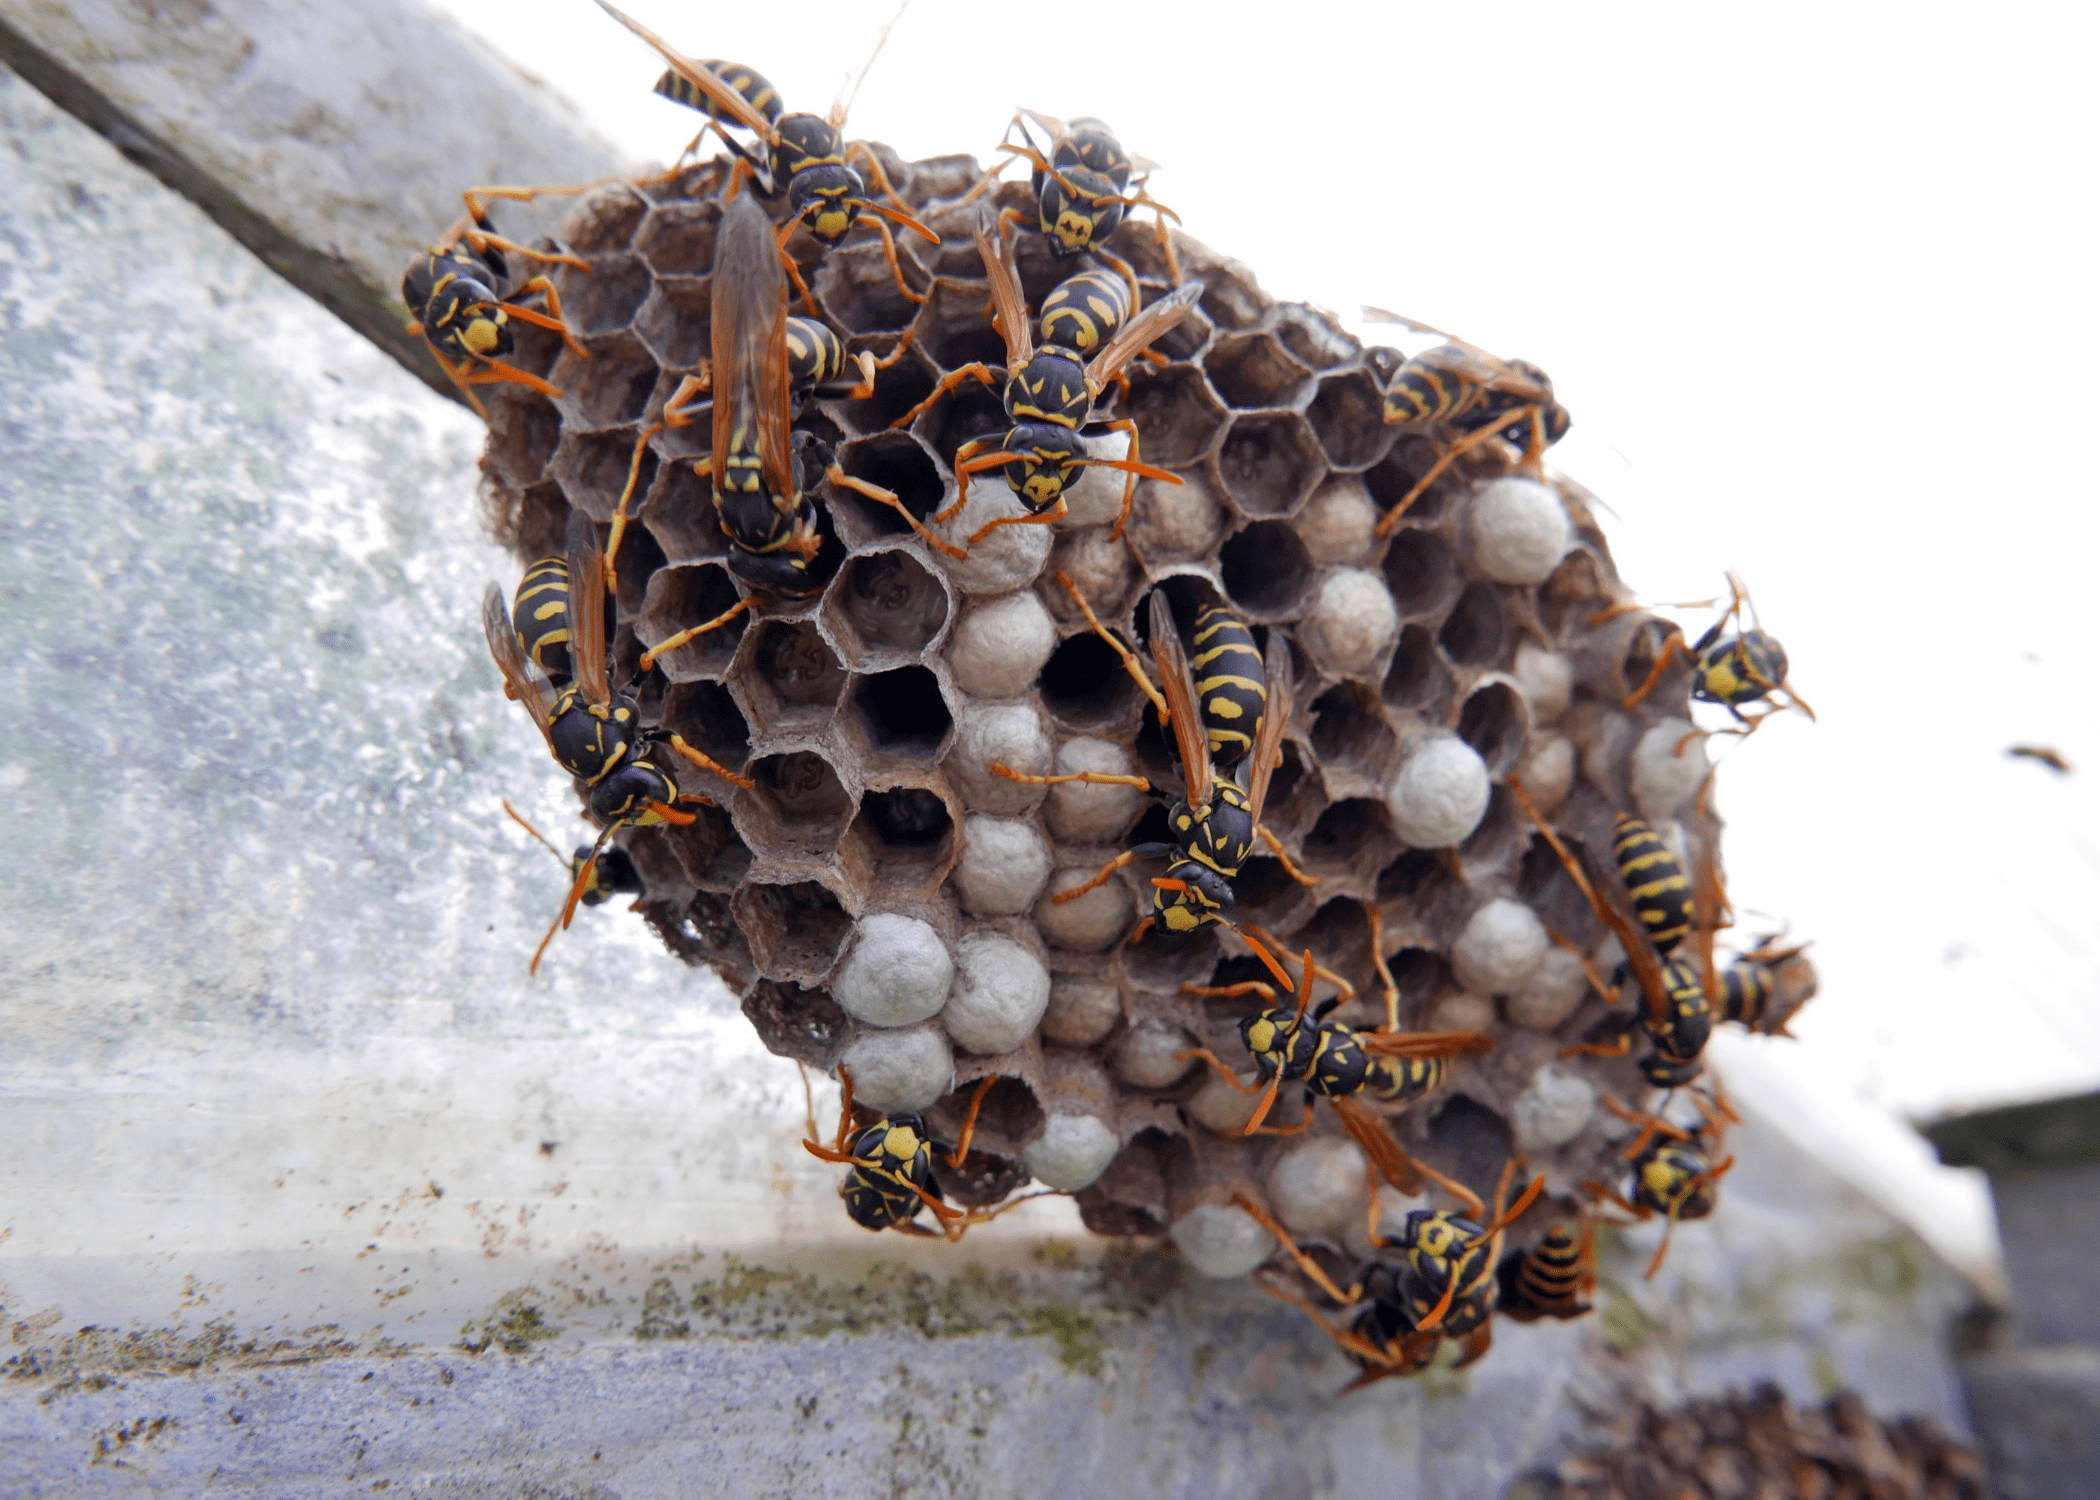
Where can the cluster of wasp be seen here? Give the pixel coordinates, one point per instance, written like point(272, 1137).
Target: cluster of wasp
point(1217, 650)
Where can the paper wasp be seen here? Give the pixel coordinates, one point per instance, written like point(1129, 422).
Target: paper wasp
point(1441, 1285)
point(1336, 1062)
point(804, 153)
point(451, 288)
point(892, 1160)
point(1051, 390)
point(594, 732)
point(1552, 1279)
point(1677, 1010)
point(1081, 187)
point(1216, 821)
point(1470, 392)
point(1673, 1172)
point(1754, 994)
point(1733, 670)
point(613, 875)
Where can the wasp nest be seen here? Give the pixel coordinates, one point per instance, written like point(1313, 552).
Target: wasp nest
point(879, 898)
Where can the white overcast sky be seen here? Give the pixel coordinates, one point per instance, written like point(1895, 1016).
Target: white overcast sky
point(1816, 283)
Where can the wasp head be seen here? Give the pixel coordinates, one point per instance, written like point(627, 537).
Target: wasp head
point(1082, 218)
point(1051, 458)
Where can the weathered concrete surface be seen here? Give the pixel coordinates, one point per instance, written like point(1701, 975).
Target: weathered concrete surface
point(331, 140)
point(280, 1108)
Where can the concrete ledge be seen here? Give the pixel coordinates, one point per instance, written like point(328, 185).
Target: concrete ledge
point(2037, 1412)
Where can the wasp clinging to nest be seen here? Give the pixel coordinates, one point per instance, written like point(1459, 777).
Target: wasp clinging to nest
point(803, 154)
point(1082, 187)
point(453, 289)
point(1731, 666)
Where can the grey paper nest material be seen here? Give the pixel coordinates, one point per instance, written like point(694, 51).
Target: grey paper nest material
point(881, 898)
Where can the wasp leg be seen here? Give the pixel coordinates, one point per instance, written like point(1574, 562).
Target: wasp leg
point(1211, 1058)
point(1386, 983)
point(1616, 1199)
point(1305, 1263)
point(478, 209)
point(1347, 991)
point(962, 1145)
point(681, 410)
point(1276, 848)
point(649, 657)
point(1672, 647)
point(870, 367)
point(1129, 657)
point(1604, 991)
point(1048, 517)
point(634, 474)
point(495, 372)
point(879, 177)
point(1092, 778)
point(581, 884)
point(1132, 468)
point(1227, 992)
point(1651, 1127)
point(881, 496)
point(459, 379)
point(1619, 1048)
point(977, 371)
point(519, 819)
point(889, 253)
point(1451, 455)
point(1121, 267)
point(482, 240)
point(1127, 857)
point(709, 763)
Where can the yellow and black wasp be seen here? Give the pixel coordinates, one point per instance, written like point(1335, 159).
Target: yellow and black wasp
point(593, 732)
point(760, 467)
point(453, 288)
point(1732, 669)
point(1460, 389)
point(1552, 1279)
point(1216, 820)
point(613, 875)
point(1051, 390)
point(1677, 1010)
point(1081, 186)
point(1755, 990)
point(1674, 1174)
point(804, 154)
point(1440, 1285)
point(892, 1161)
point(1335, 1062)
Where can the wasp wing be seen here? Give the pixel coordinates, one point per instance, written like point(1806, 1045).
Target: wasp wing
point(1005, 277)
point(1275, 718)
point(749, 317)
point(1369, 1131)
point(1483, 368)
point(521, 679)
point(1056, 128)
point(1178, 685)
point(1134, 337)
point(1380, 315)
point(1425, 1043)
point(587, 629)
point(849, 90)
point(720, 94)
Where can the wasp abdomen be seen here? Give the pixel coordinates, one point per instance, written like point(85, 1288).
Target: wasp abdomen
point(1662, 896)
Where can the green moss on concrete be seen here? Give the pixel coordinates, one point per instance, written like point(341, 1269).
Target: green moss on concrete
point(514, 1325)
point(94, 1359)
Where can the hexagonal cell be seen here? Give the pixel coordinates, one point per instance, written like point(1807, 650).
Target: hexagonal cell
point(1186, 339)
point(1352, 739)
point(903, 836)
point(954, 329)
point(1476, 631)
point(1307, 333)
point(796, 1022)
point(1418, 678)
point(794, 681)
point(606, 300)
point(855, 283)
point(1253, 371)
point(707, 718)
point(1543, 883)
point(1348, 417)
point(1339, 935)
point(1351, 839)
point(531, 522)
point(798, 809)
point(970, 411)
point(1130, 1198)
point(707, 850)
point(1467, 1140)
point(679, 509)
point(896, 462)
point(885, 608)
point(1266, 570)
point(592, 469)
point(1420, 877)
point(1009, 1115)
point(679, 238)
point(1422, 573)
point(1420, 975)
point(900, 712)
point(522, 438)
point(1264, 893)
point(605, 221)
point(609, 388)
point(1270, 462)
point(795, 931)
point(1393, 478)
point(674, 323)
point(1178, 416)
point(1230, 301)
point(639, 558)
point(681, 596)
point(1494, 722)
point(1084, 684)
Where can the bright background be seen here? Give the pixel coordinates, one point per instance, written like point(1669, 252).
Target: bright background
point(1816, 284)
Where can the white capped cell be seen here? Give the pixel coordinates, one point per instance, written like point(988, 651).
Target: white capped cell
point(1004, 866)
point(1353, 622)
point(1339, 522)
point(1552, 1109)
point(1001, 644)
point(1220, 1240)
point(1148, 1057)
point(1092, 923)
point(1072, 1152)
point(1318, 1184)
point(1086, 812)
point(1669, 763)
point(897, 972)
point(1519, 530)
point(1499, 948)
point(1081, 1011)
point(1012, 734)
point(1547, 678)
point(1552, 992)
point(1001, 990)
point(1440, 794)
point(900, 1072)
